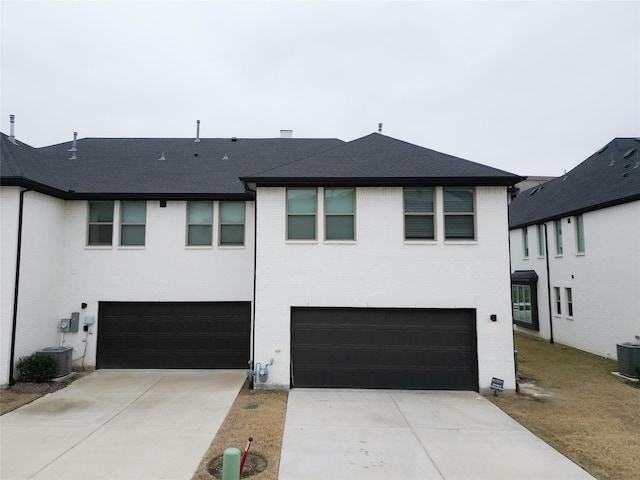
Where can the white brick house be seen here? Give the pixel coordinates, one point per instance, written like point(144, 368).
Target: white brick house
point(590, 299)
point(154, 243)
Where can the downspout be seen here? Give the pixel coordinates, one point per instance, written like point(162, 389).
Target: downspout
point(255, 265)
point(513, 332)
point(546, 251)
point(16, 290)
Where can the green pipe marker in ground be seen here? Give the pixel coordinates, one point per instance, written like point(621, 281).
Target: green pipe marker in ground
point(231, 464)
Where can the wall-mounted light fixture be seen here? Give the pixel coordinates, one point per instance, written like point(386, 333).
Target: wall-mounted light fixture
point(494, 317)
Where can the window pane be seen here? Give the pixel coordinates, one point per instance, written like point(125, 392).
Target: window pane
point(339, 200)
point(540, 229)
point(200, 212)
point(101, 211)
point(339, 227)
point(418, 227)
point(458, 200)
point(232, 235)
point(418, 200)
point(580, 234)
point(232, 212)
point(557, 226)
point(134, 212)
point(458, 227)
point(301, 201)
point(301, 227)
point(100, 234)
point(132, 235)
point(199, 235)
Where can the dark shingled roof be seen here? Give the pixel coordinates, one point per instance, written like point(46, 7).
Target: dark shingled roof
point(609, 177)
point(131, 167)
point(380, 160)
point(23, 165)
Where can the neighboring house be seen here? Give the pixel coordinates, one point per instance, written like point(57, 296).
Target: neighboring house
point(375, 263)
point(575, 253)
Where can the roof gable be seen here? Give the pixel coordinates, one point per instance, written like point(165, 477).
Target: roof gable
point(609, 177)
point(380, 160)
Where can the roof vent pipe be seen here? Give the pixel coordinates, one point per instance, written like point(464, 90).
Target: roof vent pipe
point(12, 137)
point(74, 148)
point(380, 128)
point(286, 133)
point(197, 131)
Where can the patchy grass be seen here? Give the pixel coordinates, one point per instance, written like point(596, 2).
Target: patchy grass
point(591, 416)
point(255, 413)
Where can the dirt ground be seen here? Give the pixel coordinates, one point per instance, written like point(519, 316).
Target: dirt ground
point(26, 392)
point(584, 411)
point(255, 413)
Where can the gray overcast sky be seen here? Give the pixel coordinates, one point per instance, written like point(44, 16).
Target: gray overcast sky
point(530, 87)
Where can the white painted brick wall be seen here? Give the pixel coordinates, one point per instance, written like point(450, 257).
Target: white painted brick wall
point(605, 281)
point(381, 270)
point(60, 272)
point(40, 280)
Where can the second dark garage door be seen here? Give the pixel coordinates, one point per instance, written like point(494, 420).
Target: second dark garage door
point(417, 349)
point(173, 334)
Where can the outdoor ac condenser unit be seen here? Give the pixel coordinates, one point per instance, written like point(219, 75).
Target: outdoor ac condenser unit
point(63, 356)
point(629, 359)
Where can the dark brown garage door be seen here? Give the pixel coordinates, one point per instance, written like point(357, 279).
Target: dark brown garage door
point(173, 334)
point(417, 349)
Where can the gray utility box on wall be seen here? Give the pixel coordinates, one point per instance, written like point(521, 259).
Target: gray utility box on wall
point(629, 359)
point(63, 356)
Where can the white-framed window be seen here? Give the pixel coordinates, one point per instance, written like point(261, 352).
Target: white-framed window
point(133, 219)
point(569, 296)
point(199, 223)
point(541, 242)
point(100, 228)
point(419, 223)
point(302, 205)
point(232, 216)
point(459, 213)
point(558, 300)
point(557, 231)
point(579, 226)
point(339, 214)
point(525, 242)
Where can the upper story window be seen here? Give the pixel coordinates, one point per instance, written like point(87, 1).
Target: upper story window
point(232, 216)
point(133, 221)
point(557, 230)
point(525, 242)
point(199, 223)
point(100, 222)
point(579, 222)
point(541, 242)
point(301, 213)
point(419, 214)
point(459, 216)
point(339, 209)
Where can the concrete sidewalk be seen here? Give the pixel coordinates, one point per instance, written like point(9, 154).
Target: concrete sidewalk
point(380, 434)
point(119, 424)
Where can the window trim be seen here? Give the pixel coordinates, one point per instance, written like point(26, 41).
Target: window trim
point(189, 224)
point(525, 242)
point(473, 214)
point(89, 223)
point(221, 225)
point(579, 231)
point(425, 213)
point(557, 295)
point(289, 214)
point(123, 224)
point(557, 234)
point(327, 214)
point(568, 293)
point(541, 240)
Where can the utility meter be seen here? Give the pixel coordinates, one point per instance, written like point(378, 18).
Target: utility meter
point(65, 324)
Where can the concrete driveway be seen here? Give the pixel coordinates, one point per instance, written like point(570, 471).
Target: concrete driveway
point(119, 424)
point(379, 434)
